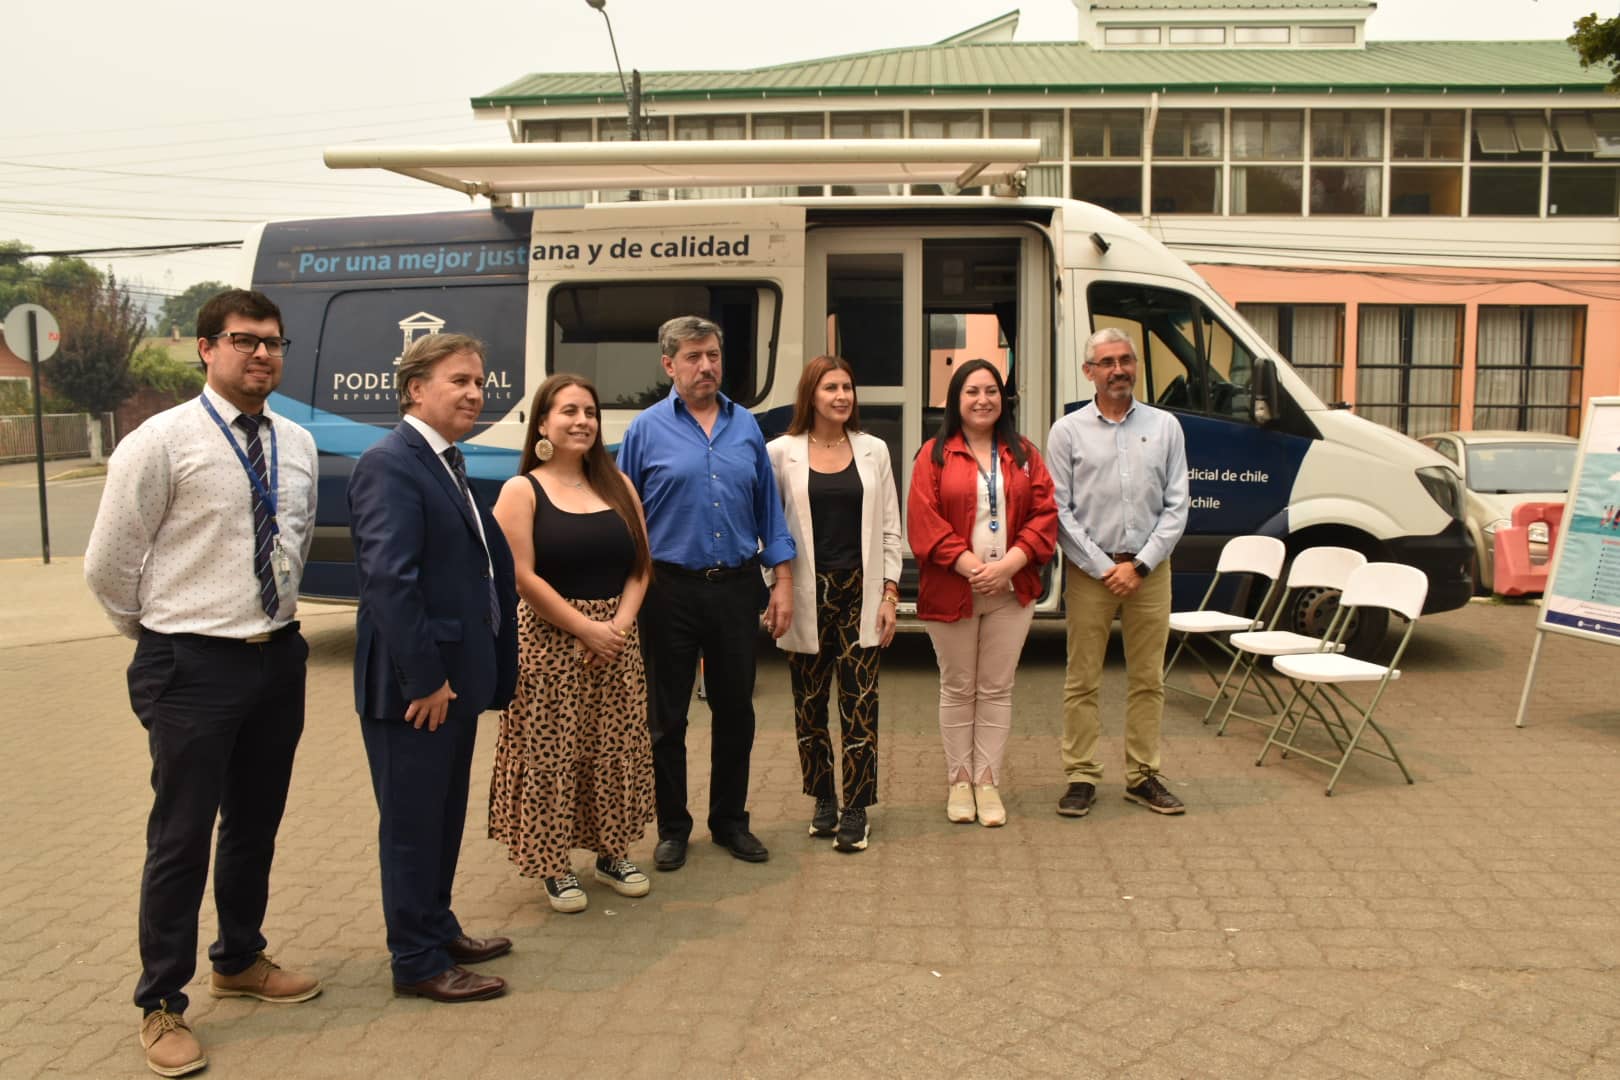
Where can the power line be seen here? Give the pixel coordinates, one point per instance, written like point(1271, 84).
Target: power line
point(133, 249)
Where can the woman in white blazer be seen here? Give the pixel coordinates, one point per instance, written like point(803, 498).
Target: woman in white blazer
point(839, 497)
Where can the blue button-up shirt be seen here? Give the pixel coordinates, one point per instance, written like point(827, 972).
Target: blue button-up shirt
point(710, 498)
point(1120, 487)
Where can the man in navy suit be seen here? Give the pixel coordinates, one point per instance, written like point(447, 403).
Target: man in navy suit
point(436, 644)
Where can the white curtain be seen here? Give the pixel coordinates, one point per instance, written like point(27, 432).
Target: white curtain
point(1263, 317)
point(1554, 344)
point(1378, 342)
point(1500, 354)
point(1240, 190)
point(1316, 347)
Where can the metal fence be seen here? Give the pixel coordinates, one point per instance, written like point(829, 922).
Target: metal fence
point(67, 435)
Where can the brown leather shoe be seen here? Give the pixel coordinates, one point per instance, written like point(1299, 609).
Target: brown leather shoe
point(472, 950)
point(454, 984)
point(266, 981)
point(171, 1048)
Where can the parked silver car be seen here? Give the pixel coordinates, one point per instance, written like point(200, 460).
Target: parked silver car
point(1500, 470)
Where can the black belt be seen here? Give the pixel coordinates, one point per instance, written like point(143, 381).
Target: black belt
point(253, 639)
point(1122, 556)
point(712, 573)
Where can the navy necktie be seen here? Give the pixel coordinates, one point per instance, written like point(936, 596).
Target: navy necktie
point(262, 537)
point(458, 466)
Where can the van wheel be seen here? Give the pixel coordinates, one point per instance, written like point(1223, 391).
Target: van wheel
point(1311, 610)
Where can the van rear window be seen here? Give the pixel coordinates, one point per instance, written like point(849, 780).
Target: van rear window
point(609, 334)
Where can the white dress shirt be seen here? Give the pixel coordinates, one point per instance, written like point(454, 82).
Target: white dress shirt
point(172, 546)
point(1119, 486)
point(439, 444)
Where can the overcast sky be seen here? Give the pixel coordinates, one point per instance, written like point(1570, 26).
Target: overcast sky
point(223, 109)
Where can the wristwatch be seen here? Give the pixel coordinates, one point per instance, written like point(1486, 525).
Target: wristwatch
point(1140, 567)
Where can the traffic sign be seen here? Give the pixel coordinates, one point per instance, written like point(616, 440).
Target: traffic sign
point(47, 335)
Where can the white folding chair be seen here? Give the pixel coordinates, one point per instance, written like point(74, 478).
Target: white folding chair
point(1261, 556)
point(1314, 570)
point(1393, 586)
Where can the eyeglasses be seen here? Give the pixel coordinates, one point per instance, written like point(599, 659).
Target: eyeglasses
point(1120, 362)
point(248, 344)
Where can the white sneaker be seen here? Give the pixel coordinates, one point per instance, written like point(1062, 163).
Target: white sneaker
point(959, 807)
point(622, 876)
point(565, 894)
point(991, 813)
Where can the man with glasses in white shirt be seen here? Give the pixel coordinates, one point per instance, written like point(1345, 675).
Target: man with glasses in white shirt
point(1119, 475)
point(197, 552)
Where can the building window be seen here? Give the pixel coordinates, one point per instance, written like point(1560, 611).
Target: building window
point(1188, 133)
point(1106, 133)
point(703, 128)
point(947, 125)
point(1409, 366)
point(1113, 187)
point(1186, 189)
point(789, 126)
point(1339, 189)
point(1583, 192)
point(1267, 135)
point(1347, 135)
point(1426, 134)
point(1045, 125)
point(1509, 136)
point(1198, 35)
point(1131, 35)
point(1425, 190)
point(1309, 336)
point(1260, 35)
point(1327, 35)
point(1504, 191)
point(866, 125)
point(557, 131)
point(1528, 375)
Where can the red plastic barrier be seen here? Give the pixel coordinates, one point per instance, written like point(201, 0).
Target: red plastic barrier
point(1515, 574)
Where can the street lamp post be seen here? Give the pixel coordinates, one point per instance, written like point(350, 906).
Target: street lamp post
point(632, 91)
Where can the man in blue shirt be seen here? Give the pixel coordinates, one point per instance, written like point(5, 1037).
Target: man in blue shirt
point(713, 519)
point(1119, 475)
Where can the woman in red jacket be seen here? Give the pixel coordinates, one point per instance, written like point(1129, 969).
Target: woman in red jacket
point(981, 520)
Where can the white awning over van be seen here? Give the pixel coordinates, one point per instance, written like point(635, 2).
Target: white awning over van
point(510, 168)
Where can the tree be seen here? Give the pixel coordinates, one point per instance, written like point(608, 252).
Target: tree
point(154, 367)
point(181, 311)
point(1597, 41)
point(101, 325)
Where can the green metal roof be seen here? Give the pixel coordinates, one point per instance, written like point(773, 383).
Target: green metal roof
point(1070, 67)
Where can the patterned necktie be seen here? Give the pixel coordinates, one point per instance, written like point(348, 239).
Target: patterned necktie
point(458, 466)
point(262, 539)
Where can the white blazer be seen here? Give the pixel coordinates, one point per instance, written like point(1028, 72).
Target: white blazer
point(880, 532)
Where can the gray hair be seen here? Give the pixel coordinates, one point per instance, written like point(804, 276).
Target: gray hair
point(424, 354)
point(1106, 336)
point(687, 328)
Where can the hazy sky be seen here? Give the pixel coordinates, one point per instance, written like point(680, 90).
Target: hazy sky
point(223, 109)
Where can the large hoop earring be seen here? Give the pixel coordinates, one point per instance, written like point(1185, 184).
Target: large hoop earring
point(543, 449)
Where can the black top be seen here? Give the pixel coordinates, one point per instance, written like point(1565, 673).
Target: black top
point(835, 518)
point(582, 556)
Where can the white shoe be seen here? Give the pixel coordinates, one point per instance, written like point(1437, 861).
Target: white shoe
point(959, 807)
point(991, 813)
point(565, 894)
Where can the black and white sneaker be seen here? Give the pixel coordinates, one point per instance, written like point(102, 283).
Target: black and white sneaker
point(565, 894)
point(825, 820)
point(853, 831)
point(622, 876)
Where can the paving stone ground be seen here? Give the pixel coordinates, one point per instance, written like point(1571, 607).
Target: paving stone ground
point(1463, 926)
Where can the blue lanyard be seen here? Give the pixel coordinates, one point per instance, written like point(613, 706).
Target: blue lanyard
point(268, 497)
point(989, 481)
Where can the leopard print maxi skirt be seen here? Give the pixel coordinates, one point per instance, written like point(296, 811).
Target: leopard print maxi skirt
point(573, 766)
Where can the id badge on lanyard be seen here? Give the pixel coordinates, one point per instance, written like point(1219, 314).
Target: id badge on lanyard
point(280, 561)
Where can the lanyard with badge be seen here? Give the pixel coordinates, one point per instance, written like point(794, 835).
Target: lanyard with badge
point(278, 555)
point(990, 485)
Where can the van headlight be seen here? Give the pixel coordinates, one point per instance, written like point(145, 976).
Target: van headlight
point(1444, 487)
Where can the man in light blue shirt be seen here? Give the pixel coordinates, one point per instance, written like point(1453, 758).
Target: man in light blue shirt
point(713, 519)
point(1119, 475)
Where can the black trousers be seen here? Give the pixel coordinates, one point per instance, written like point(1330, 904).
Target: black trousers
point(684, 617)
point(223, 720)
point(420, 778)
point(838, 620)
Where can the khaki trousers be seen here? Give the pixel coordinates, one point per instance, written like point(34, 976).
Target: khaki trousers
point(1145, 624)
point(978, 660)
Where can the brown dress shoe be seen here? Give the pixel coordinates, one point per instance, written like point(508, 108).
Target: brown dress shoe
point(454, 984)
point(171, 1048)
point(472, 950)
point(265, 980)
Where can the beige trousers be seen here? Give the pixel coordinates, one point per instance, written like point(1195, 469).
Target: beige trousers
point(978, 658)
point(1145, 625)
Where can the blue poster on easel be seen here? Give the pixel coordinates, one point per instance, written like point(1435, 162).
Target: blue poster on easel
point(1583, 585)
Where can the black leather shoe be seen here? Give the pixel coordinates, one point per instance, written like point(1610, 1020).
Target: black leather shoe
point(744, 845)
point(471, 950)
point(670, 854)
point(454, 985)
point(1076, 801)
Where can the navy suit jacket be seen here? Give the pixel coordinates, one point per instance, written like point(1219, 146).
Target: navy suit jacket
point(424, 601)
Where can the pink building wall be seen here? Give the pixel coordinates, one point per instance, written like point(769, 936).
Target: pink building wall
point(1593, 289)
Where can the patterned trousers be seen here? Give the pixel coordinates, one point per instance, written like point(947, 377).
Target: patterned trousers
point(838, 623)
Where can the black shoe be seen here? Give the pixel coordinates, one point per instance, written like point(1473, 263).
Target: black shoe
point(853, 830)
point(1076, 802)
point(670, 854)
point(743, 845)
point(825, 820)
point(1155, 796)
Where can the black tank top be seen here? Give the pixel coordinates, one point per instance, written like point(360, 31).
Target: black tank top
point(582, 556)
point(835, 517)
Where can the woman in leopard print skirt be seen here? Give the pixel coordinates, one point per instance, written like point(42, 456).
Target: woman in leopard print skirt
point(573, 765)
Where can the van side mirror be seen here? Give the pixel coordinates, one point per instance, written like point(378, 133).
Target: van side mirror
point(1263, 392)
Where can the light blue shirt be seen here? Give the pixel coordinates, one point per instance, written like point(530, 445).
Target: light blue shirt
point(1119, 486)
point(710, 497)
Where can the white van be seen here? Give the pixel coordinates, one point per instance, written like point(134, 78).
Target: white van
point(904, 288)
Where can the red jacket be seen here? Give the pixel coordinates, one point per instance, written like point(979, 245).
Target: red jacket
point(940, 509)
